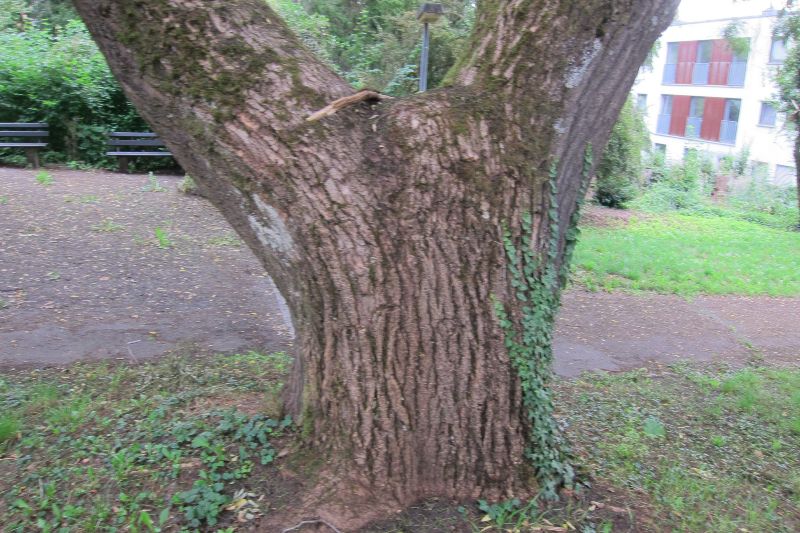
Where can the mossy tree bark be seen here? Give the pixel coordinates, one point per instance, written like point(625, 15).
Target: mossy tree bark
point(382, 225)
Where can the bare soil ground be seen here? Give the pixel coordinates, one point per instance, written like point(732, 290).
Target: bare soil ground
point(83, 275)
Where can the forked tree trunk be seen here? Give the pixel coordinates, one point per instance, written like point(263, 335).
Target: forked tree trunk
point(382, 225)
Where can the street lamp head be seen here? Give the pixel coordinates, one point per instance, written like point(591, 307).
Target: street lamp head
point(430, 12)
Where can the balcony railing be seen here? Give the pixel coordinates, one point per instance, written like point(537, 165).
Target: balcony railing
point(727, 131)
point(670, 70)
point(663, 124)
point(700, 74)
point(693, 126)
point(736, 73)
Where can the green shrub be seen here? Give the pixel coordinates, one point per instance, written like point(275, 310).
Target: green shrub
point(56, 74)
point(619, 176)
point(682, 186)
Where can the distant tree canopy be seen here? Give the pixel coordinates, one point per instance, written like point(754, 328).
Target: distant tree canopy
point(788, 78)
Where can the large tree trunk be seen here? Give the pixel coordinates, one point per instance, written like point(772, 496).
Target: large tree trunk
point(382, 225)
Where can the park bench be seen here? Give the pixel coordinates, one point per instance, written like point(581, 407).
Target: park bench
point(129, 144)
point(28, 135)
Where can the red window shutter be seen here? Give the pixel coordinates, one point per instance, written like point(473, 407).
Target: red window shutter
point(680, 111)
point(687, 54)
point(713, 112)
point(721, 58)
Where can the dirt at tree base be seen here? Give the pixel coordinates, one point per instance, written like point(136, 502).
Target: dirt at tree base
point(83, 275)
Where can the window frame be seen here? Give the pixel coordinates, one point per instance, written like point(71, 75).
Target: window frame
point(767, 105)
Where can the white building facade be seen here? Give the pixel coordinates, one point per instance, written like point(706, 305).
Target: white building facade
point(701, 94)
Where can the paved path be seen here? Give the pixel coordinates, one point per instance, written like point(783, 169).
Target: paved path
point(83, 276)
point(602, 331)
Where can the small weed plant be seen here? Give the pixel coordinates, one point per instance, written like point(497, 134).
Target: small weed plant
point(45, 179)
point(107, 226)
point(162, 238)
point(153, 185)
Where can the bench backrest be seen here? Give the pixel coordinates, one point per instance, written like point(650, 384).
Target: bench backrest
point(24, 129)
point(134, 139)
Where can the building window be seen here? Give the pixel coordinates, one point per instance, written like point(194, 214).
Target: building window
point(777, 52)
point(710, 62)
point(695, 117)
point(702, 63)
point(694, 123)
point(768, 115)
point(641, 102)
point(660, 148)
point(665, 117)
point(738, 69)
point(784, 175)
point(730, 121)
point(671, 66)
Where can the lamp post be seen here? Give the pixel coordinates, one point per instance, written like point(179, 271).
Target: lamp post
point(427, 13)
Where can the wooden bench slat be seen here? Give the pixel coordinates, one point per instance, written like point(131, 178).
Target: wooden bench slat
point(23, 124)
point(140, 142)
point(23, 145)
point(132, 134)
point(24, 133)
point(133, 154)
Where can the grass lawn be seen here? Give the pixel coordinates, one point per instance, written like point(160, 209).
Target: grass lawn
point(188, 444)
point(689, 255)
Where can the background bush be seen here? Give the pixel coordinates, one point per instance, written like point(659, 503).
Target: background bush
point(619, 175)
point(56, 74)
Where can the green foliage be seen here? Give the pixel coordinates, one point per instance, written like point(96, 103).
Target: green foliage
point(721, 464)
point(509, 515)
point(153, 185)
point(188, 186)
point(162, 237)
point(54, 73)
point(9, 427)
point(620, 171)
point(681, 186)
point(117, 448)
point(44, 178)
point(376, 44)
point(537, 286)
point(732, 33)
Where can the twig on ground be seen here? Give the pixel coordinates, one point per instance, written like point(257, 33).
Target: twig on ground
point(306, 522)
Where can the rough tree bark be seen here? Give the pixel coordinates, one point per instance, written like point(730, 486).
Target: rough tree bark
point(382, 224)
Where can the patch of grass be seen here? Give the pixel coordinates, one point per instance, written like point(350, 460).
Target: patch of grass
point(3, 199)
point(229, 239)
point(88, 199)
point(169, 445)
point(690, 255)
point(732, 468)
point(162, 238)
point(9, 427)
point(107, 226)
point(44, 178)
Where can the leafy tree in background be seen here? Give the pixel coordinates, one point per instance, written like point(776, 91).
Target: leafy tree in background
point(788, 79)
point(56, 74)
